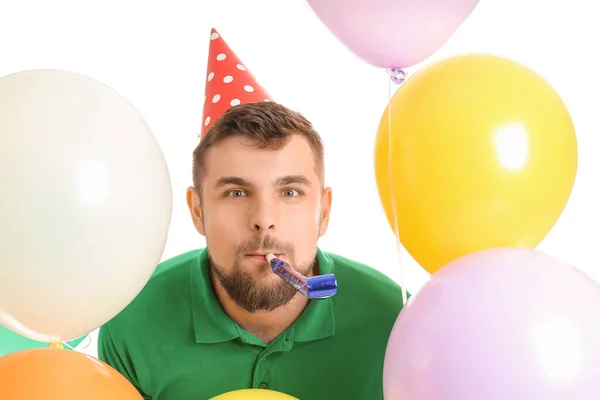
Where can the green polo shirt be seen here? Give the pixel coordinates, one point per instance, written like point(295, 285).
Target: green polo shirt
point(174, 341)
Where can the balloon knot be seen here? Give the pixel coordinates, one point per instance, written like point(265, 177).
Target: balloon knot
point(56, 345)
point(396, 74)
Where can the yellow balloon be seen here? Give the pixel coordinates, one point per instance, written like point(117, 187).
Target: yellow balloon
point(254, 394)
point(483, 155)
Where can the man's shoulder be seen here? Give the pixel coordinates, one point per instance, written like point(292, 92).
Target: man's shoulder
point(358, 273)
point(171, 275)
point(167, 289)
point(358, 279)
point(366, 296)
point(175, 263)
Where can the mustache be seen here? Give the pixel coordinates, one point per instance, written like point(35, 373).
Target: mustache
point(265, 242)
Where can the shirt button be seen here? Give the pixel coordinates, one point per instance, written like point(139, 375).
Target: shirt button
point(263, 385)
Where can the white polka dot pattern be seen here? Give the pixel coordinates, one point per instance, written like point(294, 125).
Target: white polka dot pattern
point(228, 82)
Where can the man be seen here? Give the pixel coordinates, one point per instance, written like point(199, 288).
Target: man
point(218, 319)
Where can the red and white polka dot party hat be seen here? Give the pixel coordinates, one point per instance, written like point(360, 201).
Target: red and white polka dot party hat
point(228, 82)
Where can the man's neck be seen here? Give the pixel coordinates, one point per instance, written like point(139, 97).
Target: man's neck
point(264, 325)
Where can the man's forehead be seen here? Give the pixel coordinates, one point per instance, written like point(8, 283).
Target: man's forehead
point(239, 156)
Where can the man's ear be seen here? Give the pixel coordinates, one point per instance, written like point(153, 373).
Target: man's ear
point(325, 210)
point(194, 204)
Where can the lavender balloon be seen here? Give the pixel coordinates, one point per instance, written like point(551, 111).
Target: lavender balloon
point(498, 324)
point(393, 33)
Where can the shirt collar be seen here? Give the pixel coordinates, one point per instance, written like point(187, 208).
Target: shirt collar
point(212, 325)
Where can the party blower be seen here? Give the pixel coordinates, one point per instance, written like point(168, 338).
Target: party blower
point(314, 287)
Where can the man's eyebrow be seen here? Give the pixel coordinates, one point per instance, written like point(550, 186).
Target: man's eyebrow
point(232, 180)
point(281, 181)
point(292, 179)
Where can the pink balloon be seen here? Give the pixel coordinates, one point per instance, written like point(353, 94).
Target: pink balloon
point(393, 33)
point(498, 324)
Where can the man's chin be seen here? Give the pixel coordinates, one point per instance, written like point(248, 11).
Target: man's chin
point(265, 282)
point(264, 296)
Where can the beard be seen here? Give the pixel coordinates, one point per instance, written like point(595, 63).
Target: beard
point(253, 296)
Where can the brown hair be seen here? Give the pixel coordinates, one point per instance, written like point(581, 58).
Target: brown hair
point(268, 124)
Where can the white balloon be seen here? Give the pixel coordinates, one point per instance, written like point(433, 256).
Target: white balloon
point(85, 204)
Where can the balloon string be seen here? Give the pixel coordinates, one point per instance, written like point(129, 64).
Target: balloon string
point(395, 79)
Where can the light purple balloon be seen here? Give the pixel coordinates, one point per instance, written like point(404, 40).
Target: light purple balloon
point(393, 33)
point(501, 324)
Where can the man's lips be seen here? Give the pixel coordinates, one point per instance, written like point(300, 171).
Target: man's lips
point(261, 255)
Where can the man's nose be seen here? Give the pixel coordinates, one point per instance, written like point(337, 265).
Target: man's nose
point(264, 216)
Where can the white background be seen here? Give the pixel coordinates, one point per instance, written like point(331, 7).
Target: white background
point(154, 54)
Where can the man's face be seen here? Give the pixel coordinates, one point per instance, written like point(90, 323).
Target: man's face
point(256, 201)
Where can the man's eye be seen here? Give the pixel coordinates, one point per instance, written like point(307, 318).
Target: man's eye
point(291, 193)
point(236, 193)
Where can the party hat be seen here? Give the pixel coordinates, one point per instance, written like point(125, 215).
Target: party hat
point(228, 82)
